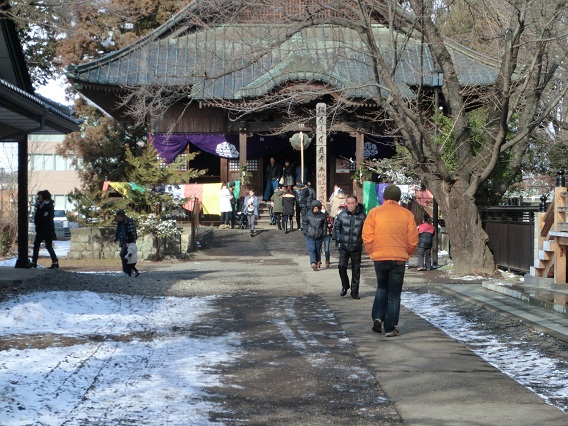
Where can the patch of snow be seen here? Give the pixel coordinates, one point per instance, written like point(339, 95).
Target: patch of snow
point(148, 369)
point(61, 249)
point(543, 375)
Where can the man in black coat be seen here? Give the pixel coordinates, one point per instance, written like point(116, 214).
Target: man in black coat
point(348, 231)
point(273, 174)
point(302, 194)
point(125, 230)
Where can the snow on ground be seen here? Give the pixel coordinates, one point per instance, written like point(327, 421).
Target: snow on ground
point(61, 249)
point(147, 373)
point(543, 375)
point(147, 369)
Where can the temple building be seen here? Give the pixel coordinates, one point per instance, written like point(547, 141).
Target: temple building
point(238, 89)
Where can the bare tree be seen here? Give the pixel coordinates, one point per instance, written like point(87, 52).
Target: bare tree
point(487, 124)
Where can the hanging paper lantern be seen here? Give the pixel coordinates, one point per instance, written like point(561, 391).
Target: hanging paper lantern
point(296, 142)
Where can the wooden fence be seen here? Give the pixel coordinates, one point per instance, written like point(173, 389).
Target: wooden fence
point(511, 235)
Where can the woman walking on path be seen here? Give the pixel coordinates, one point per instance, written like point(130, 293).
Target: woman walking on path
point(250, 208)
point(44, 228)
point(288, 203)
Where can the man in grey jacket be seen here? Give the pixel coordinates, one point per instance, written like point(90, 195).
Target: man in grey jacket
point(348, 231)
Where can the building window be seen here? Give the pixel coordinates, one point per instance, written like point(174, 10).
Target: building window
point(60, 202)
point(234, 165)
point(43, 162)
point(183, 166)
point(252, 165)
point(48, 162)
point(60, 163)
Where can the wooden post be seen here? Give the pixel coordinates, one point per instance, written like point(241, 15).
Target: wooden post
point(242, 157)
point(359, 158)
point(321, 152)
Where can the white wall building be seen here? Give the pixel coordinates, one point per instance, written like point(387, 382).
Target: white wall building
point(48, 170)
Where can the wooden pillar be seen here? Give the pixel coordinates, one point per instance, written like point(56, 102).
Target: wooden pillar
point(359, 157)
point(224, 169)
point(23, 219)
point(242, 155)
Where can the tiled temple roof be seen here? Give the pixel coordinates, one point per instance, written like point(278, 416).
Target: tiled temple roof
point(176, 54)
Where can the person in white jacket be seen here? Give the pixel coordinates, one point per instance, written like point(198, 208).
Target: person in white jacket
point(225, 206)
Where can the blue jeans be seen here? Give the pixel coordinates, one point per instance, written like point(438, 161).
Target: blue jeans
point(326, 241)
point(314, 248)
point(271, 186)
point(386, 307)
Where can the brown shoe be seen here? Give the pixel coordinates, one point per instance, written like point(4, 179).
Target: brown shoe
point(319, 265)
point(327, 264)
point(314, 267)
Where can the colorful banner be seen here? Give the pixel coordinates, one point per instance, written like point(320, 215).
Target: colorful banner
point(369, 196)
point(123, 188)
point(208, 195)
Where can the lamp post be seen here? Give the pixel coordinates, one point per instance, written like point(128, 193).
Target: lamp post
point(437, 83)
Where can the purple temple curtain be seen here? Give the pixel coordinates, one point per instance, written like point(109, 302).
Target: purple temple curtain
point(169, 146)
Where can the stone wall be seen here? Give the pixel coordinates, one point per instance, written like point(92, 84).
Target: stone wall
point(98, 243)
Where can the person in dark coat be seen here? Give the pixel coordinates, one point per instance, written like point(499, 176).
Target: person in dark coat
point(44, 228)
point(312, 196)
point(288, 208)
point(125, 229)
point(299, 177)
point(288, 178)
point(348, 231)
point(273, 173)
point(314, 230)
point(302, 193)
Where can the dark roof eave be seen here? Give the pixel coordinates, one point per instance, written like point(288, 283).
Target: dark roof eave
point(30, 106)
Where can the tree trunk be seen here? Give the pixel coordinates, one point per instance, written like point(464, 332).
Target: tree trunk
point(469, 248)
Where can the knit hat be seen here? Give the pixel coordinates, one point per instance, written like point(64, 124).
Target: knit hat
point(120, 212)
point(316, 203)
point(392, 192)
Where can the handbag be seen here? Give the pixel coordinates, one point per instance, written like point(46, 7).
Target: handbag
point(281, 181)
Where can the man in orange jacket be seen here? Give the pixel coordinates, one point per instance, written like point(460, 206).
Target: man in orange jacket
point(390, 237)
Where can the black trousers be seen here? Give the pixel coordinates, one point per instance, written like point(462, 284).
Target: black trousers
point(48, 246)
point(344, 257)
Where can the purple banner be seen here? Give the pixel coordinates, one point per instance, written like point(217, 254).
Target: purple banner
point(169, 146)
